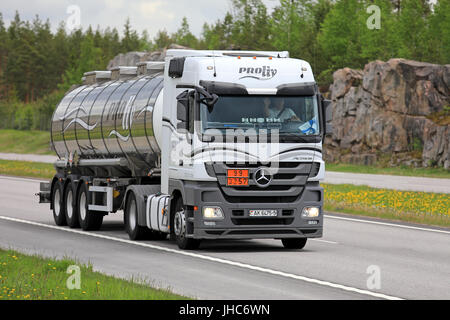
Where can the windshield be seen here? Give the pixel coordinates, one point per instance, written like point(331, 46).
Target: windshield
point(289, 114)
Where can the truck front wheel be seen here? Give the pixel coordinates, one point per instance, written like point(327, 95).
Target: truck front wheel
point(89, 220)
point(134, 230)
point(294, 243)
point(180, 228)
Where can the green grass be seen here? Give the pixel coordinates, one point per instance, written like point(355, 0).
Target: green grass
point(27, 169)
point(25, 277)
point(408, 206)
point(17, 141)
point(398, 171)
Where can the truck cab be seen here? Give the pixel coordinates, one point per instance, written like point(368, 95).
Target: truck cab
point(244, 134)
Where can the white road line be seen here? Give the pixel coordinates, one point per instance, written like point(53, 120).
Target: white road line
point(208, 258)
point(321, 240)
point(387, 224)
point(31, 180)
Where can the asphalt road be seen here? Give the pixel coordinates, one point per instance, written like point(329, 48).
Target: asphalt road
point(413, 261)
point(373, 180)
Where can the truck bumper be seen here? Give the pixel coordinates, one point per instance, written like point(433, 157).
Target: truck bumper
point(237, 224)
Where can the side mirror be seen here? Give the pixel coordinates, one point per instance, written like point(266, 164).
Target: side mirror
point(208, 98)
point(328, 114)
point(183, 110)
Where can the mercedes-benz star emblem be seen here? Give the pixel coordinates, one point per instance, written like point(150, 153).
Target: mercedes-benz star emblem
point(262, 177)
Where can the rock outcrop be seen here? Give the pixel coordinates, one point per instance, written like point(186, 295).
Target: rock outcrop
point(131, 58)
point(388, 109)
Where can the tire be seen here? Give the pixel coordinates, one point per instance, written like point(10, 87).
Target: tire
point(89, 220)
point(57, 204)
point(180, 229)
point(70, 206)
point(134, 230)
point(294, 243)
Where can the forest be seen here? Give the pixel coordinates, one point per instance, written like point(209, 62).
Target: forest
point(37, 65)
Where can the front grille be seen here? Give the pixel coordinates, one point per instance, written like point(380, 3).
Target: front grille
point(259, 199)
point(286, 186)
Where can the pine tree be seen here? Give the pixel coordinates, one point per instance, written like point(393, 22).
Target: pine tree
point(88, 60)
point(411, 29)
point(340, 35)
point(162, 40)
point(130, 41)
point(184, 36)
point(3, 57)
point(438, 33)
point(251, 30)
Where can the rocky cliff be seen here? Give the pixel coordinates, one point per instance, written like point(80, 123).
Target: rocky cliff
point(131, 58)
point(396, 110)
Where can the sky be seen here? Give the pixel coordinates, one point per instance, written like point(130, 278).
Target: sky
point(150, 15)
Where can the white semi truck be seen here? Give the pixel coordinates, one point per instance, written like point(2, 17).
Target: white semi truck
point(205, 145)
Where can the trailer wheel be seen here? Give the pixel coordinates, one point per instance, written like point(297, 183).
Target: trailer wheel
point(89, 220)
point(180, 228)
point(57, 204)
point(69, 207)
point(294, 243)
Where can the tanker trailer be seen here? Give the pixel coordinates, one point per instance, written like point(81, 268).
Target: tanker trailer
point(205, 145)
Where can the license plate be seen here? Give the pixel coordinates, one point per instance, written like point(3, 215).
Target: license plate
point(263, 213)
point(237, 181)
point(237, 177)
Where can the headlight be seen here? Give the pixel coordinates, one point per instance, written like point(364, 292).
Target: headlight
point(310, 212)
point(212, 213)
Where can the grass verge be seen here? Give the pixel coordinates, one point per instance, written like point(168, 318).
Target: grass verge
point(24, 277)
point(408, 206)
point(27, 169)
point(18, 141)
point(398, 171)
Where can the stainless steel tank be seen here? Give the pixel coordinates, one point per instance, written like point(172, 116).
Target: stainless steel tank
point(110, 117)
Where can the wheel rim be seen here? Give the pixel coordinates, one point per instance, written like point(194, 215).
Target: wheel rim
point(132, 215)
point(69, 204)
point(180, 223)
point(83, 206)
point(57, 202)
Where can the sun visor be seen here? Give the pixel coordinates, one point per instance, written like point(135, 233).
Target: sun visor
point(224, 88)
point(297, 89)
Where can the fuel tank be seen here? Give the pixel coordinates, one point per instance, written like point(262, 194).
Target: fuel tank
point(114, 114)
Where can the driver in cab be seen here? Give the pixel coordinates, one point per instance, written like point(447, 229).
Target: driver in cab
point(279, 111)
